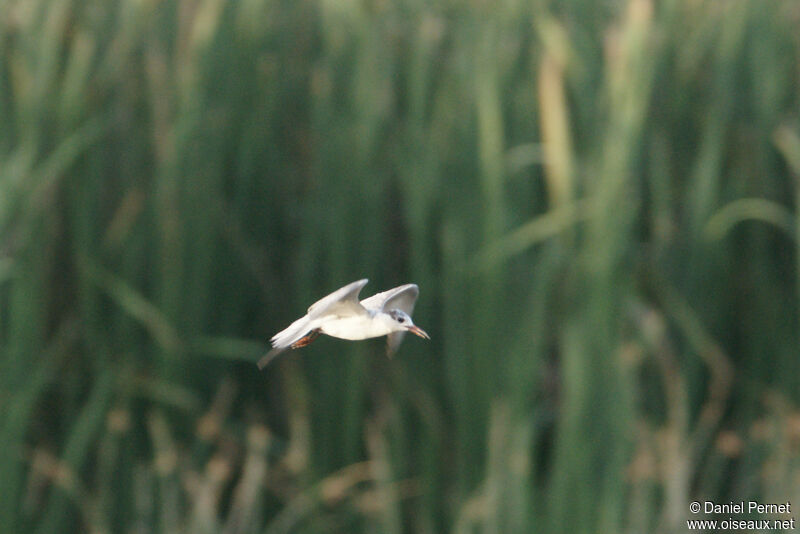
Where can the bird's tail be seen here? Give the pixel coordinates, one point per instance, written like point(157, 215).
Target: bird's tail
point(291, 333)
point(268, 357)
point(283, 340)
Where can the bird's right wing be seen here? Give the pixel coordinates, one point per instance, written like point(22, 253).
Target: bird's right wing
point(401, 298)
point(342, 302)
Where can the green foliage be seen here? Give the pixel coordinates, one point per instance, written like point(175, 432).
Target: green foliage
point(597, 200)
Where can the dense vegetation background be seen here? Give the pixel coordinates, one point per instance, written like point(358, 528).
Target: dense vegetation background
point(598, 201)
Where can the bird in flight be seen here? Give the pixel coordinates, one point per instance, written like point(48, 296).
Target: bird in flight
point(341, 315)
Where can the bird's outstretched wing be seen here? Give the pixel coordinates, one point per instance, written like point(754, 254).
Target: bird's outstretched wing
point(342, 302)
point(400, 298)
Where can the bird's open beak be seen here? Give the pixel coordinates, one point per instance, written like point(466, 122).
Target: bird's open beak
point(414, 329)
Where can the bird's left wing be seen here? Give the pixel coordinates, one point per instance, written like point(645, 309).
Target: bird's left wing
point(343, 302)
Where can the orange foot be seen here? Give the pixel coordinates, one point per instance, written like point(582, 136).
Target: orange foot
point(306, 340)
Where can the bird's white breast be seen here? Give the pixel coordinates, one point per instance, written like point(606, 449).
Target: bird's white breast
point(355, 327)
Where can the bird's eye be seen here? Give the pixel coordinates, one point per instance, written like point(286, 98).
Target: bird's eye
point(401, 320)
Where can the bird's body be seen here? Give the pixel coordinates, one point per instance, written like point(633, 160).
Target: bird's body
point(342, 315)
point(356, 327)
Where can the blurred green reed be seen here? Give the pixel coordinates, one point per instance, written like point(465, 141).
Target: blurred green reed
point(597, 200)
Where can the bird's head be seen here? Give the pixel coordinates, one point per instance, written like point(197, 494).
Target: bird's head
point(401, 322)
